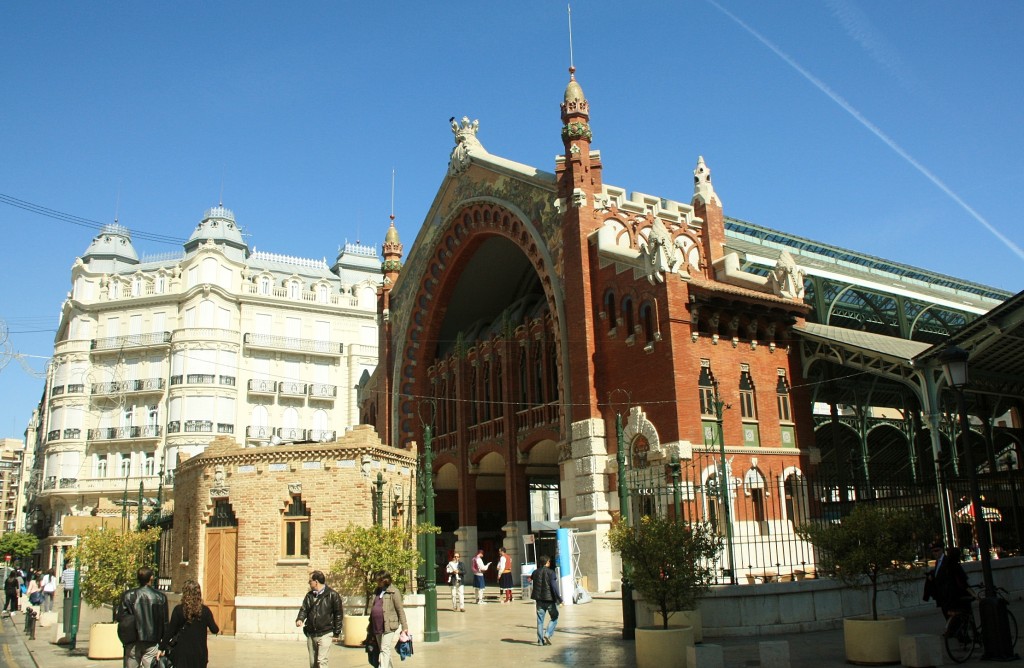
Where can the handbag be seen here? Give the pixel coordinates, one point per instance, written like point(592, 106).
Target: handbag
point(163, 662)
point(35, 598)
point(404, 645)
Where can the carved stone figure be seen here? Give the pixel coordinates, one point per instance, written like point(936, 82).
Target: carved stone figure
point(787, 279)
point(465, 143)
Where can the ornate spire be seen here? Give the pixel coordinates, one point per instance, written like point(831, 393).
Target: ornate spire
point(703, 191)
point(575, 112)
point(392, 250)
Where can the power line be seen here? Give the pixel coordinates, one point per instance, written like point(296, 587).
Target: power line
point(84, 222)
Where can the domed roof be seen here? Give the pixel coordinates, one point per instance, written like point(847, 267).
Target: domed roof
point(218, 224)
point(392, 235)
point(113, 242)
point(573, 92)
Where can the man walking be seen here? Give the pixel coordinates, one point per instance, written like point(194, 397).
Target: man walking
point(320, 619)
point(141, 621)
point(545, 593)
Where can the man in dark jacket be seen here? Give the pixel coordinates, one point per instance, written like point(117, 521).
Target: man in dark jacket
point(319, 615)
point(545, 592)
point(144, 611)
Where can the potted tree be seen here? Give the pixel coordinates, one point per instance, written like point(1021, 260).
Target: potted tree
point(874, 549)
point(366, 550)
point(109, 560)
point(672, 564)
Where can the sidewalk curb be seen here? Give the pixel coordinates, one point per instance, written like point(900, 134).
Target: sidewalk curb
point(22, 639)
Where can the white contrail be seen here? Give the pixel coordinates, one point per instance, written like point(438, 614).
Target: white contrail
point(838, 99)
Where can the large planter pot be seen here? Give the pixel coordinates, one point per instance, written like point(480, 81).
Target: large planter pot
point(104, 643)
point(353, 629)
point(662, 648)
point(691, 618)
point(871, 642)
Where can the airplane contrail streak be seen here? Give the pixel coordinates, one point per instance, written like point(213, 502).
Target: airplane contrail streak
point(871, 127)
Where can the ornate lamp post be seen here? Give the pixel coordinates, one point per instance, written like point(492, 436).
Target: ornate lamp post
point(992, 610)
point(429, 545)
point(628, 606)
point(724, 484)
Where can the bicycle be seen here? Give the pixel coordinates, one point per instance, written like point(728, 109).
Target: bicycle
point(963, 635)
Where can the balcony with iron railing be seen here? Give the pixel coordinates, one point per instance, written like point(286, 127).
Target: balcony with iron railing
point(115, 343)
point(272, 342)
point(260, 386)
point(69, 434)
point(112, 483)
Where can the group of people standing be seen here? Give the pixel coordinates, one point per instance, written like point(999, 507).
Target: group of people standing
point(39, 587)
point(544, 590)
point(456, 577)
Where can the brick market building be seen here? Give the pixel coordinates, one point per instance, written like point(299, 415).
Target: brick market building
point(533, 307)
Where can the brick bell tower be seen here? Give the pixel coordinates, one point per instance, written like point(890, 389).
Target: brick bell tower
point(390, 268)
point(578, 173)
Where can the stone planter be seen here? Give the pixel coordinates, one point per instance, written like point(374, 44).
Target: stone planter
point(662, 648)
point(353, 629)
point(104, 643)
point(691, 618)
point(872, 642)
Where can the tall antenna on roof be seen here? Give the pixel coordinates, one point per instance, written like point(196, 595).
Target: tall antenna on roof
point(223, 168)
point(117, 203)
point(572, 65)
point(392, 196)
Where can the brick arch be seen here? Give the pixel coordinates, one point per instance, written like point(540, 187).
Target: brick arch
point(467, 228)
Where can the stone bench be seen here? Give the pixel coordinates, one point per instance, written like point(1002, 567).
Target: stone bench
point(921, 650)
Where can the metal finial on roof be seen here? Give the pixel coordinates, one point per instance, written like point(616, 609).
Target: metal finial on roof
point(572, 65)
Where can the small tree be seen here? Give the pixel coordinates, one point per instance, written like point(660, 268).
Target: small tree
point(18, 544)
point(879, 543)
point(366, 550)
point(672, 563)
point(110, 560)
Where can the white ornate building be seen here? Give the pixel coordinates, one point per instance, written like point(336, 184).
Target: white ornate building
point(154, 357)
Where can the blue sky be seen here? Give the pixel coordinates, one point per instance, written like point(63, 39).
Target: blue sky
point(892, 128)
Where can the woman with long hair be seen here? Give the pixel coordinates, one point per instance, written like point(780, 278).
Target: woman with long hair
point(185, 637)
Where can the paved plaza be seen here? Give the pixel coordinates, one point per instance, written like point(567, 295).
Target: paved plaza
point(488, 635)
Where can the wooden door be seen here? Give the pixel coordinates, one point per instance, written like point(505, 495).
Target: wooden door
point(219, 589)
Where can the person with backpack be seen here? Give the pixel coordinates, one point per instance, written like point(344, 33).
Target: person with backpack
point(141, 620)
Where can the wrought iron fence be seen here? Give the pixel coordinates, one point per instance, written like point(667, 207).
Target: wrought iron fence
point(767, 506)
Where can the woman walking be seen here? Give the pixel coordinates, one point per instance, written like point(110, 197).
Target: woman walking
point(386, 614)
point(185, 637)
point(12, 591)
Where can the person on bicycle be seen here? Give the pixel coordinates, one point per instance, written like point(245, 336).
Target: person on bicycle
point(947, 582)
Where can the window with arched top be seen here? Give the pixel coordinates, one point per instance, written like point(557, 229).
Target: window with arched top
point(264, 285)
point(322, 293)
point(294, 289)
point(628, 317)
point(610, 311)
point(647, 321)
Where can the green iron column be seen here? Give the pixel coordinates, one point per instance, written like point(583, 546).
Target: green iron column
point(378, 500)
point(76, 601)
point(723, 487)
point(677, 499)
point(628, 607)
point(430, 633)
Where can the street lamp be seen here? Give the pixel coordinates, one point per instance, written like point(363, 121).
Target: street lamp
point(991, 609)
point(430, 632)
point(724, 484)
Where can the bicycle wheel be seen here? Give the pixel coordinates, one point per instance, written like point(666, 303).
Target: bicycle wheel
point(960, 643)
